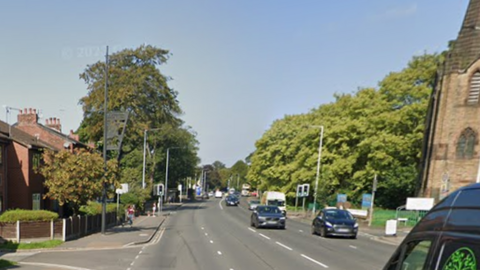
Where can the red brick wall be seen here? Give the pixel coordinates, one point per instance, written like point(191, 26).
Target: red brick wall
point(18, 193)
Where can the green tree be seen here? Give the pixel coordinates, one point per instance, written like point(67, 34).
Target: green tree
point(76, 178)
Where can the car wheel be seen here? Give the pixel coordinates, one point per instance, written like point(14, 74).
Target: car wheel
point(313, 230)
point(324, 233)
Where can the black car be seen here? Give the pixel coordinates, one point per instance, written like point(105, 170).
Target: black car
point(268, 216)
point(232, 200)
point(335, 222)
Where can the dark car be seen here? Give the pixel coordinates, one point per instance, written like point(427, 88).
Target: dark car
point(267, 216)
point(231, 200)
point(447, 237)
point(335, 222)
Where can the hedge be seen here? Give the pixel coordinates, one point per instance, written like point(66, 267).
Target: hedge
point(27, 215)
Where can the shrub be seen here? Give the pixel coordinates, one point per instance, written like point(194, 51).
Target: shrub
point(11, 216)
point(95, 208)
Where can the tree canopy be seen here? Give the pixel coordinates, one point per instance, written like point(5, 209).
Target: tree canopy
point(371, 131)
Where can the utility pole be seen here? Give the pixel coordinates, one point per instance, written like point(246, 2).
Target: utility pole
point(374, 188)
point(105, 109)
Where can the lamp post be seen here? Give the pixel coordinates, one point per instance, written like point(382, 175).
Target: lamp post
point(165, 193)
point(318, 167)
point(144, 153)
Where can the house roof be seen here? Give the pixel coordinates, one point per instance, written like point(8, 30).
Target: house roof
point(21, 137)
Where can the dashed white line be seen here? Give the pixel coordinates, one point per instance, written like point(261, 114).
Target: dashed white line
point(219, 252)
point(284, 246)
point(264, 236)
point(300, 230)
point(211, 242)
point(206, 234)
point(252, 230)
point(203, 228)
point(314, 261)
point(354, 247)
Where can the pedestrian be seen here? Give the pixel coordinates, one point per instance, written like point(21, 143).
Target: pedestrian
point(154, 208)
point(130, 213)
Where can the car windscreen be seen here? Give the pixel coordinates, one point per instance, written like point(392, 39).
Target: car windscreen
point(254, 202)
point(338, 215)
point(276, 202)
point(266, 209)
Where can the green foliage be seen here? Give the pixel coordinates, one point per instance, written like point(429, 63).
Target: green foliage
point(6, 263)
point(95, 208)
point(137, 85)
point(76, 178)
point(130, 198)
point(11, 216)
point(9, 245)
point(372, 131)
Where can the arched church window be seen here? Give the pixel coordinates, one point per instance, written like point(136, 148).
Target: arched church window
point(474, 93)
point(466, 144)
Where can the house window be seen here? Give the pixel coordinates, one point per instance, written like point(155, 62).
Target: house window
point(474, 93)
point(466, 144)
point(36, 201)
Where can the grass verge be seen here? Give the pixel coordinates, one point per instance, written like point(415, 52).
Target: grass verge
point(5, 263)
point(37, 245)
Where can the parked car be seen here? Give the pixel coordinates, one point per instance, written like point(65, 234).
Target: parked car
point(252, 204)
point(447, 237)
point(268, 216)
point(218, 194)
point(335, 222)
point(211, 194)
point(232, 200)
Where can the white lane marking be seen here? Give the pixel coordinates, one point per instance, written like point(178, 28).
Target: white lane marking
point(159, 237)
point(219, 252)
point(300, 230)
point(203, 228)
point(211, 242)
point(282, 245)
point(220, 204)
point(206, 234)
point(354, 247)
point(264, 236)
point(312, 260)
point(252, 230)
point(52, 265)
point(137, 257)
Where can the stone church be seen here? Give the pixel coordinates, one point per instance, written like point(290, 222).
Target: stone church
point(452, 149)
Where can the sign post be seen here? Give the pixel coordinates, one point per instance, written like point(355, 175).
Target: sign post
point(374, 188)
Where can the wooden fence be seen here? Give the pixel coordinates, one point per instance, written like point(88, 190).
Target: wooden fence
point(63, 229)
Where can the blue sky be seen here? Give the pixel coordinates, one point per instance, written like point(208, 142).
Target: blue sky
point(237, 65)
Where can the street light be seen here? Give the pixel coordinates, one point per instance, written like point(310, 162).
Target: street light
point(166, 173)
point(318, 166)
point(144, 150)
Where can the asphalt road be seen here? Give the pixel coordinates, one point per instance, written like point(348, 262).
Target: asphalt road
point(210, 235)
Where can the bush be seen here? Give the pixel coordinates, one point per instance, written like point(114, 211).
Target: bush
point(11, 216)
point(95, 208)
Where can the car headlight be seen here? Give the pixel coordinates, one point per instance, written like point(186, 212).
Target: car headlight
point(282, 218)
point(355, 225)
point(261, 218)
point(328, 224)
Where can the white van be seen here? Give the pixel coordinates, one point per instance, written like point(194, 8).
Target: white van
point(275, 198)
point(218, 194)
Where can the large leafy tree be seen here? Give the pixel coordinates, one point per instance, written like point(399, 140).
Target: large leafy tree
point(371, 131)
point(76, 178)
point(136, 85)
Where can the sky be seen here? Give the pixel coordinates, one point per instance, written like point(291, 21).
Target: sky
point(237, 65)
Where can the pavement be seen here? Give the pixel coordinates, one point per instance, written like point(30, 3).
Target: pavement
point(142, 231)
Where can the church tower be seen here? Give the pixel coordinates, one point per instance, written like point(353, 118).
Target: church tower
point(452, 159)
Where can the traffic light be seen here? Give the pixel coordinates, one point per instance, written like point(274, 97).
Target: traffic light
point(306, 190)
point(160, 189)
point(300, 191)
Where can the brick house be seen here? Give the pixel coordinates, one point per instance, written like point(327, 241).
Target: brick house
point(452, 149)
point(20, 186)
point(51, 133)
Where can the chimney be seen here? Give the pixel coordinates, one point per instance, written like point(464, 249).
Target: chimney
point(73, 136)
point(27, 117)
point(54, 123)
